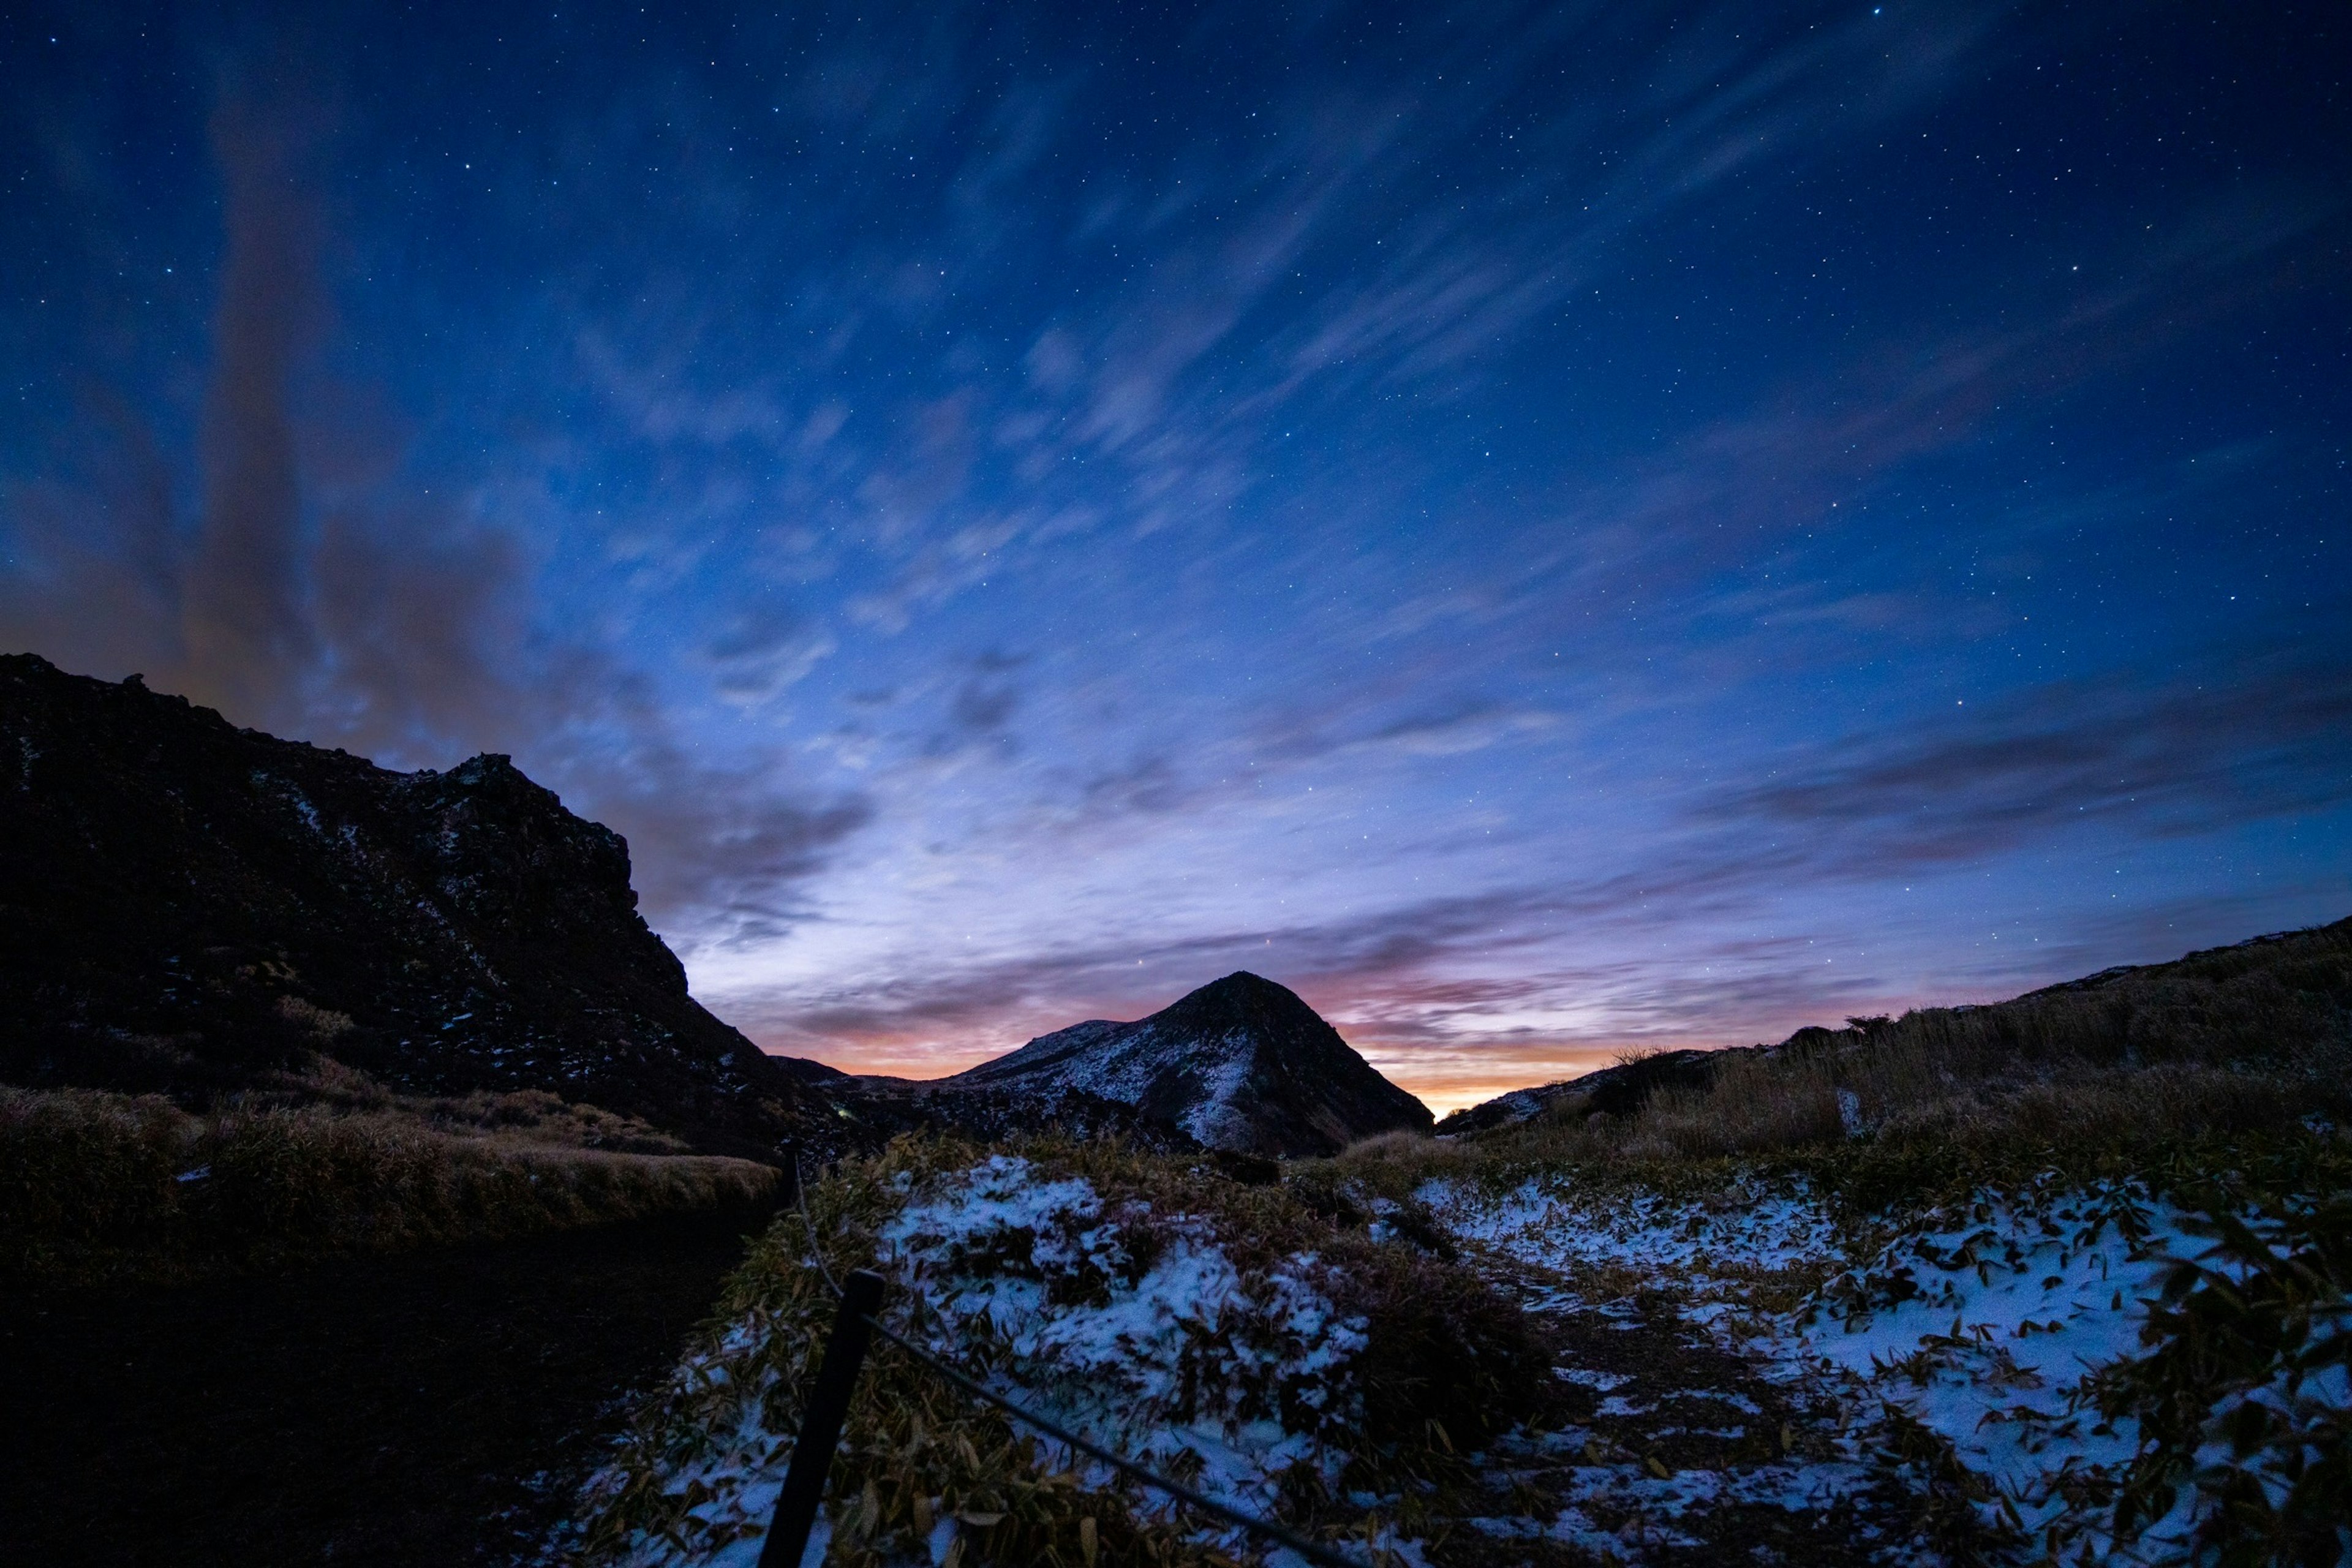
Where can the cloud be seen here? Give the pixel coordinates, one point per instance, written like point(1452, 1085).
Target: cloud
point(762, 648)
point(1115, 968)
point(981, 706)
point(1684, 932)
point(1712, 101)
point(1391, 982)
point(93, 549)
point(321, 591)
point(1144, 785)
point(2175, 758)
point(1448, 729)
point(664, 404)
point(421, 627)
point(245, 630)
point(718, 855)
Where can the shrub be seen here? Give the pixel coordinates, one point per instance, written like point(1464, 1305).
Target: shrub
point(1443, 1361)
point(2244, 1398)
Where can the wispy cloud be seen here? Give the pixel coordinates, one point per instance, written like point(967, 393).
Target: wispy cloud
point(1489, 515)
point(2178, 758)
point(320, 591)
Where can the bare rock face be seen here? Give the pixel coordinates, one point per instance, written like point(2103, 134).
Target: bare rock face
point(1240, 1065)
point(186, 905)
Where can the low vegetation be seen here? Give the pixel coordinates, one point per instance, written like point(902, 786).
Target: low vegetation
point(2235, 1063)
point(2244, 1396)
point(1247, 1339)
point(2059, 1280)
point(2206, 1102)
point(533, 1115)
point(96, 1186)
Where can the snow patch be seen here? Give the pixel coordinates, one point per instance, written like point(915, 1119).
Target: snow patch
point(1984, 1323)
point(1133, 1326)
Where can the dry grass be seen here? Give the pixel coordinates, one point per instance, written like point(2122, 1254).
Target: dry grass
point(2221, 1053)
point(534, 1115)
point(1447, 1361)
point(97, 1186)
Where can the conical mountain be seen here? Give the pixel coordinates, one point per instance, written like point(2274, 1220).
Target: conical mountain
point(1240, 1064)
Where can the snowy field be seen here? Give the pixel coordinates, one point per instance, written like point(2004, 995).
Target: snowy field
point(1740, 1375)
point(1986, 1325)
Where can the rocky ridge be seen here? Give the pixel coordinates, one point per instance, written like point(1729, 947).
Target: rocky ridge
point(187, 906)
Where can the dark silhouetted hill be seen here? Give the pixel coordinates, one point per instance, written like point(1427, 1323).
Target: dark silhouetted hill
point(187, 906)
point(2256, 1000)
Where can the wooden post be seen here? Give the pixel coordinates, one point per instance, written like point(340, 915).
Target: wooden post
point(836, 1379)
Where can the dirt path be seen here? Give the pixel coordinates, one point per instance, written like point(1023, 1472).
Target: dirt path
point(1675, 1451)
point(432, 1408)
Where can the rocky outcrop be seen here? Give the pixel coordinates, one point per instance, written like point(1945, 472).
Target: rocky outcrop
point(186, 905)
point(1242, 1065)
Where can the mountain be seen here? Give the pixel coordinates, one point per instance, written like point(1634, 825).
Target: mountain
point(1619, 1090)
point(2249, 1001)
point(1240, 1064)
point(874, 1108)
point(187, 907)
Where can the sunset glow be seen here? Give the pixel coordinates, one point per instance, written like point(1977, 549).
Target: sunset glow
point(1547, 531)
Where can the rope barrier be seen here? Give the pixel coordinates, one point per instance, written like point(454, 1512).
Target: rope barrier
point(1313, 1552)
point(1277, 1534)
point(799, 1196)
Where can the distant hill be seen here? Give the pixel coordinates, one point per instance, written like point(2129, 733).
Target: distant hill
point(186, 906)
point(1242, 1065)
point(2256, 998)
point(1618, 1091)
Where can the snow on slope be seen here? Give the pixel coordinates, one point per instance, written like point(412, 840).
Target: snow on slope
point(1128, 1062)
point(1743, 1370)
point(1187, 1357)
point(1240, 1064)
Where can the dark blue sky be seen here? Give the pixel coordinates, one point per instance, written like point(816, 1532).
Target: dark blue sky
point(1544, 528)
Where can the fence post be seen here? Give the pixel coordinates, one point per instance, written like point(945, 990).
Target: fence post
point(836, 1379)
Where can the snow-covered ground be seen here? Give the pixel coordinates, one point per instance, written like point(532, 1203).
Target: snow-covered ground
point(1134, 1328)
point(1137, 1327)
point(1984, 1322)
point(1555, 1223)
point(1742, 1370)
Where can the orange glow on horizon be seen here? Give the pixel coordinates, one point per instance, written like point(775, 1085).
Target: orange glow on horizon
point(1446, 1079)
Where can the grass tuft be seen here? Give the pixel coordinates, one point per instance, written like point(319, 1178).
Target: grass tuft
point(97, 1188)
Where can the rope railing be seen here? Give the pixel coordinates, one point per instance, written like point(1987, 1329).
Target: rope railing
point(856, 1320)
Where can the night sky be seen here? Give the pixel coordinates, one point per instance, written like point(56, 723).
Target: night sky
point(1545, 530)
